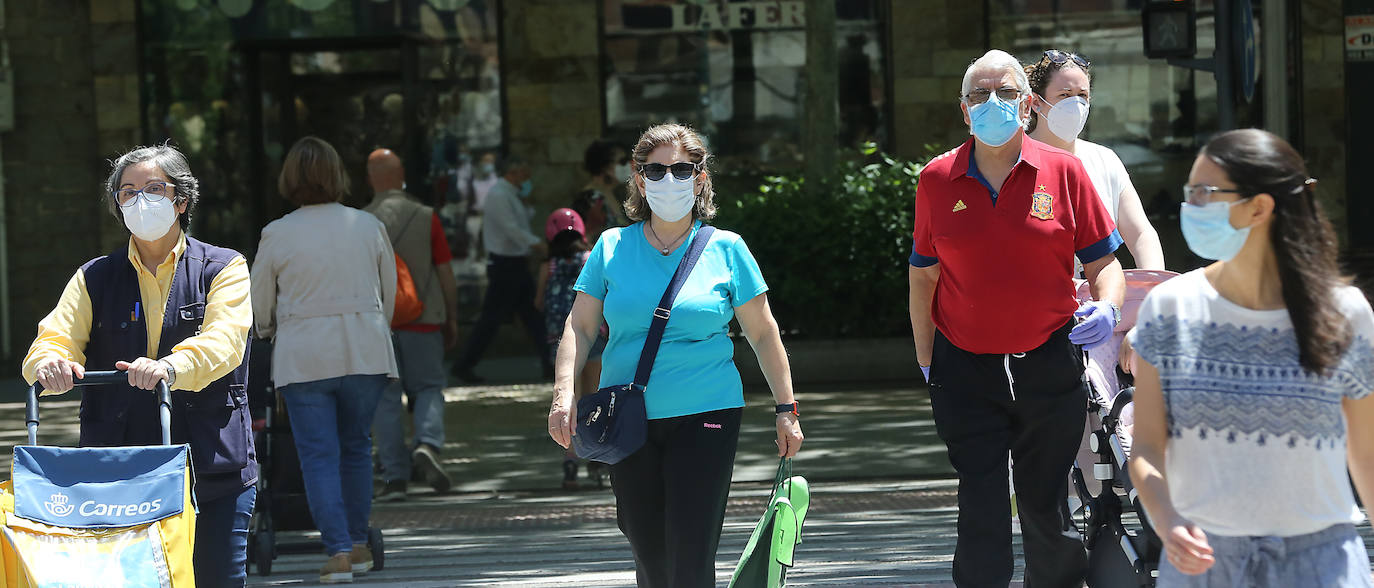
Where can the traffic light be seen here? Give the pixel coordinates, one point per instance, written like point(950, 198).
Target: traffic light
point(1170, 28)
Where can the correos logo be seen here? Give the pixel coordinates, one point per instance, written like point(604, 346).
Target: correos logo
point(91, 508)
point(57, 505)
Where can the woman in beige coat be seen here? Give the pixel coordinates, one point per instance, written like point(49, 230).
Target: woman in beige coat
point(323, 286)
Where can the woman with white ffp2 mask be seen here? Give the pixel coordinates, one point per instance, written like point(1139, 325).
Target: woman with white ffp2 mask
point(1060, 103)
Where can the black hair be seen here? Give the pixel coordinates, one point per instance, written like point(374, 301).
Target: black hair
point(567, 243)
point(1259, 162)
point(600, 155)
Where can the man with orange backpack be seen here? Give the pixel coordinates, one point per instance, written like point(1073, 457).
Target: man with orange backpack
point(418, 239)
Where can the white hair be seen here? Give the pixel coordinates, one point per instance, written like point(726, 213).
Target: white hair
point(995, 60)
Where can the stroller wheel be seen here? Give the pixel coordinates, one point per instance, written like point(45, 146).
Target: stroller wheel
point(377, 546)
point(263, 552)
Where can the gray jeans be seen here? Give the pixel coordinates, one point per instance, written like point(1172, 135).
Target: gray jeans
point(1334, 557)
point(420, 357)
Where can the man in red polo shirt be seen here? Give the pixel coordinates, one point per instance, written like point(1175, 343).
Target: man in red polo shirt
point(999, 222)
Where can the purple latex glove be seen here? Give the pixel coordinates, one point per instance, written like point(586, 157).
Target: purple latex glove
point(925, 371)
point(1095, 323)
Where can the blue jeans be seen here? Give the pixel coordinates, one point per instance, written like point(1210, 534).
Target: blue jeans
point(221, 551)
point(331, 421)
point(420, 357)
point(1333, 557)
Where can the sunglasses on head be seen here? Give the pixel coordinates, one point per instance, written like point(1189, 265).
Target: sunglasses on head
point(681, 171)
point(1058, 57)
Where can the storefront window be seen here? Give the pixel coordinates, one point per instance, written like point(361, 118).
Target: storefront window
point(235, 85)
point(735, 70)
point(1154, 115)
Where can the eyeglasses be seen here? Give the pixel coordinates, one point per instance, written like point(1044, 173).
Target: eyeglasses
point(1058, 57)
point(153, 192)
point(1201, 194)
point(682, 170)
point(981, 95)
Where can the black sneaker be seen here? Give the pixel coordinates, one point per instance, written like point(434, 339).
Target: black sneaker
point(570, 474)
point(426, 459)
point(393, 491)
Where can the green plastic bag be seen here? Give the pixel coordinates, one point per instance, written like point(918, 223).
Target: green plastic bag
point(769, 553)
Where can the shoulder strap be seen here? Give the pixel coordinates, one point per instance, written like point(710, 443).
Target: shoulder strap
point(665, 306)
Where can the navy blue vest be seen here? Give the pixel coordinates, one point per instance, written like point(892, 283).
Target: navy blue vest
point(215, 420)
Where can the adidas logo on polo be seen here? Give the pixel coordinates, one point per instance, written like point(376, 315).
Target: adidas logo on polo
point(958, 206)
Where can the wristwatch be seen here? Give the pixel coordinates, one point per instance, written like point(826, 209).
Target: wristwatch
point(785, 408)
point(171, 372)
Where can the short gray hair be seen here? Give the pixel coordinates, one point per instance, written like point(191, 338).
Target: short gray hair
point(996, 60)
point(171, 162)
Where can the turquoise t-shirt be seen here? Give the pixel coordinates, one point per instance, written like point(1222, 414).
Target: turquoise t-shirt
point(695, 369)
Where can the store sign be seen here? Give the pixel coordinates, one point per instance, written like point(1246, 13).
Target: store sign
point(734, 16)
point(1359, 37)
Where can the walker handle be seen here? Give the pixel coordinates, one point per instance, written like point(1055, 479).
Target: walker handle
point(164, 401)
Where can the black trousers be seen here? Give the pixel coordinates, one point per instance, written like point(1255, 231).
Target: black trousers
point(510, 290)
point(1033, 405)
point(670, 497)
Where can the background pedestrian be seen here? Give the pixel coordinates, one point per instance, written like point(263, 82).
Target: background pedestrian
point(324, 284)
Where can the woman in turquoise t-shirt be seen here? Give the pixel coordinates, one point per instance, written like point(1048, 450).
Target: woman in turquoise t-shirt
point(671, 494)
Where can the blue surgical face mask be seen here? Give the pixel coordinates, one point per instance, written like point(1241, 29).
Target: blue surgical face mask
point(1208, 230)
point(526, 187)
point(996, 121)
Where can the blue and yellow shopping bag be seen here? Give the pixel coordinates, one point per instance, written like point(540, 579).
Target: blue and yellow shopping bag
point(78, 517)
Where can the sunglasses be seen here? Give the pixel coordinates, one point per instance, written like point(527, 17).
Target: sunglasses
point(1058, 57)
point(681, 171)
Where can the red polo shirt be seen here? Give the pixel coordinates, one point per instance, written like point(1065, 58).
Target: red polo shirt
point(1006, 256)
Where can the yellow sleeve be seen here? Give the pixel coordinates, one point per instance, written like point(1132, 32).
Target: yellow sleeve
point(218, 349)
point(64, 332)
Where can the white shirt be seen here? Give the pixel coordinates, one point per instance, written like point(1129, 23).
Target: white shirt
point(1256, 444)
point(1108, 176)
point(506, 222)
point(1106, 171)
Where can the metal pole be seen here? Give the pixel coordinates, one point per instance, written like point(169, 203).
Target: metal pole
point(1275, 47)
point(1223, 23)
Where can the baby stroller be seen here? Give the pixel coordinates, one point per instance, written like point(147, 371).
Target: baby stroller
point(1119, 554)
point(282, 504)
point(98, 516)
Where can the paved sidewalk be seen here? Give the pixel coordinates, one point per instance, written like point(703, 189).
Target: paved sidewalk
point(883, 507)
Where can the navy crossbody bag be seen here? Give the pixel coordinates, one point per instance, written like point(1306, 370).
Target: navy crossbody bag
point(612, 423)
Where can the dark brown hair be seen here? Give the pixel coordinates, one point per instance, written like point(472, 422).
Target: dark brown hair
point(1259, 162)
point(1039, 74)
point(312, 173)
point(636, 207)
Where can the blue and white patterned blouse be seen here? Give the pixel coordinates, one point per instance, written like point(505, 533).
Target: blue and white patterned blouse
point(1256, 444)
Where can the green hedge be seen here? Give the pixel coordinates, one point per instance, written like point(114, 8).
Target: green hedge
point(834, 251)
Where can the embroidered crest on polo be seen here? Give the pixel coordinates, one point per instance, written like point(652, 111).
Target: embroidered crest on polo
point(1042, 204)
point(958, 206)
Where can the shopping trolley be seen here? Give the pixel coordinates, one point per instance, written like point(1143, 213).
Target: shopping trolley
point(98, 516)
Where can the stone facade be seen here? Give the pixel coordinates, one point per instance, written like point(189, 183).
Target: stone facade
point(933, 41)
point(549, 54)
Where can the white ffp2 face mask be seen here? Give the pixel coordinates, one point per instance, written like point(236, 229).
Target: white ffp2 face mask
point(150, 221)
point(1066, 119)
point(670, 198)
point(622, 172)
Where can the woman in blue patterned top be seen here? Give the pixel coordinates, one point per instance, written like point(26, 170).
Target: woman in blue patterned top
point(670, 495)
point(1252, 384)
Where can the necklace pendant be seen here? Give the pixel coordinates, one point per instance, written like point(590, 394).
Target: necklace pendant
point(664, 250)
